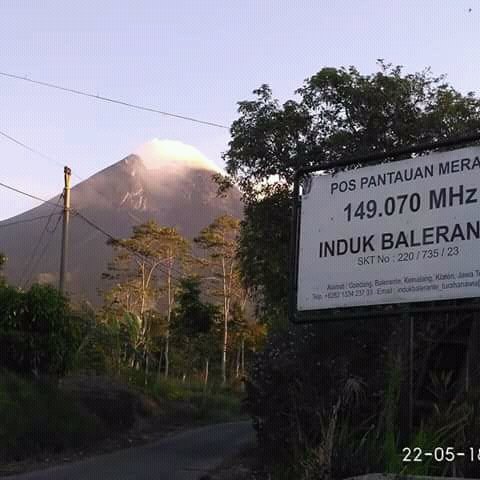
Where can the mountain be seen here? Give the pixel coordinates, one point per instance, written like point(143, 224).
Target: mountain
point(164, 180)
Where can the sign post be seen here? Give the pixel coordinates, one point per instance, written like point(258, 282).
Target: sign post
point(375, 240)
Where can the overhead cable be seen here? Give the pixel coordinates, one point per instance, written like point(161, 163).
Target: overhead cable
point(112, 100)
point(117, 241)
point(28, 266)
point(27, 220)
point(43, 252)
point(14, 189)
point(30, 149)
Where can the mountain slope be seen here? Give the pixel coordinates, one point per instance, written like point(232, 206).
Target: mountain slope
point(172, 188)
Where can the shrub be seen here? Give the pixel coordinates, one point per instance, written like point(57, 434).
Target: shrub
point(296, 381)
point(37, 330)
point(36, 417)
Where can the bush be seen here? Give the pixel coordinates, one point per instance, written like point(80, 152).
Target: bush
point(37, 330)
point(296, 381)
point(36, 417)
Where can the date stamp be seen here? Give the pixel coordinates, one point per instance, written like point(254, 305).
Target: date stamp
point(439, 454)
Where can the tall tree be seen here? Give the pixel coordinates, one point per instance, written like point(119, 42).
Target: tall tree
point(151, 253)
point(193, 322)
point(219, 240)
point(339, 112)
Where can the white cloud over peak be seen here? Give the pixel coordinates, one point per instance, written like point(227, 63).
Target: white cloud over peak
point(158, 154)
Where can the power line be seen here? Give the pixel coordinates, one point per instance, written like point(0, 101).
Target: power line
point(75, 213)
point(30, 149)
point(43, 252)
point(17, 190)
point(48, 157)
point(28, 220)
point(35, 151)
point(4, 185)
point(95, 226)
point(116, 240)
point(28, 266)
point(112, 100)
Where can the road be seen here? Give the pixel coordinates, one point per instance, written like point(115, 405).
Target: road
point(184, 456)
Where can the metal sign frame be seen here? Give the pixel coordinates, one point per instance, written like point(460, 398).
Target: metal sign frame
point(344, 313)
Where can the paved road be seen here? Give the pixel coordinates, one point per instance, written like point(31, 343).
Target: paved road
point(185, 456)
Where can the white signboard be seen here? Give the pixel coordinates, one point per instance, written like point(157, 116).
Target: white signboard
point(406, 231)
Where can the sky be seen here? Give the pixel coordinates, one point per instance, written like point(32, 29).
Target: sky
point(193, 58)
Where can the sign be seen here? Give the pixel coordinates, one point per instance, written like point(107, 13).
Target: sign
point(406, 231)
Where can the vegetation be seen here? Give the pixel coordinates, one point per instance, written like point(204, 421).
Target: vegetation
point(294, 387)
point(163, 329)
point(37, 330)
point(158, 303)
point(337, 113)
point(191, 331)
point(36, 418)
point(219, 240)
point(189, 401)
point(151, 249)
point(193, 326)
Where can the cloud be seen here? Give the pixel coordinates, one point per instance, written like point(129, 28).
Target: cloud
point(158, 154)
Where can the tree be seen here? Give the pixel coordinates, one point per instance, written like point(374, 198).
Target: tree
point(151, 250)
point(339, 113)
point(192, 316)
point(193, 323)
point(219, 240)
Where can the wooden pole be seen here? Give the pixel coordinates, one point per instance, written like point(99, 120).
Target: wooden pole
point(66, 220)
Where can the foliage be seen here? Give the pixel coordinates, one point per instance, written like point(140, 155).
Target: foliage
point(36, 417)
point(338, 113)
point(138, 261)
point(139, 292)
point(194, 331)
point(263, 252)
point(155, 317)
point(192, 316)
point(106, 341)
point(38, 332)
point(301, 374)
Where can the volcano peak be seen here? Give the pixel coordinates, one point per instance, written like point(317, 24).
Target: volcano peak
point(160, 154)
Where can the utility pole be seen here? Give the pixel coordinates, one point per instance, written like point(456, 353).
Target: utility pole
point(66, 219)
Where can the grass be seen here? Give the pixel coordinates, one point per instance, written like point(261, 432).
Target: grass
point(189, 401)
point(35, 417)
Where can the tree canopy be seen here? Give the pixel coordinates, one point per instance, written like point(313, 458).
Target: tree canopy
point(337, 112)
